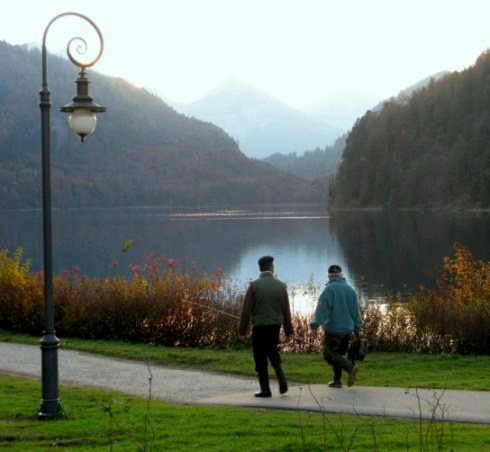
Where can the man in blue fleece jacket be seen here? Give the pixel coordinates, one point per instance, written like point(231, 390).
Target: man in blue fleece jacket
point(338, 313)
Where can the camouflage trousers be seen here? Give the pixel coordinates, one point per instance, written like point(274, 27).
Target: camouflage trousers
point(334, 351)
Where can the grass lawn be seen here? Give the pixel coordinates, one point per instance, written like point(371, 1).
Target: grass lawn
point(104, 420)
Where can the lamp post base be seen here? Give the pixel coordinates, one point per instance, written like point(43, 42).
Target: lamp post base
point(50, 409)
point(50, 403)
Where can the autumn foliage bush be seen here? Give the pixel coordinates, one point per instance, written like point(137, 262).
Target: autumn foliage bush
point(168, 303)
point(390, 328)
point(455, 314)
point(21, 294)
point(163, 303)
point(452, 316)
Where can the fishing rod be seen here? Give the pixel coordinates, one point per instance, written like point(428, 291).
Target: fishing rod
point(212, 309)
point(219, 311)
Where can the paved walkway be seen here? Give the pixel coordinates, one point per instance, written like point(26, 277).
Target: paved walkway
point(205, 388)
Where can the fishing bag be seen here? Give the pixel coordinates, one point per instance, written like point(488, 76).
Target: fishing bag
point(358, 349)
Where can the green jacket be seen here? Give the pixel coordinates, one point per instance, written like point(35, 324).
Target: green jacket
point(266, 303)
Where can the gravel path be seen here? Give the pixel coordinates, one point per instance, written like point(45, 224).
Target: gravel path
point(205, 388)
point(131, 377)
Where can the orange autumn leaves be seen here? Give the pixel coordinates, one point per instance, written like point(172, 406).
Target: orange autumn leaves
point(458, 307)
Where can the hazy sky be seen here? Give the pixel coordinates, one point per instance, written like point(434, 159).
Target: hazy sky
point(300, 51)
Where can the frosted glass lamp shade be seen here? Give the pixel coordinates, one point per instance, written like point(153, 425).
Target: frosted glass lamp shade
point(82, 108)
point(82, 122)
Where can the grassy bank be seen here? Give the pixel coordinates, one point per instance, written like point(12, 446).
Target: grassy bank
point(103, 420)
point(379, 369)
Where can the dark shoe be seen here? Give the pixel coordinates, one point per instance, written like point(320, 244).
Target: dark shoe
point(352, 376)
point(334, 384)
point(283, 387)
point(265, 390)
point(263, 393)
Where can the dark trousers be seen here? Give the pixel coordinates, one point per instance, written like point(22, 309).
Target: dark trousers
point(265, 341)
point(334, 350)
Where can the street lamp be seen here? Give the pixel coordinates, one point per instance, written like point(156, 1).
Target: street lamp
point(82, 121)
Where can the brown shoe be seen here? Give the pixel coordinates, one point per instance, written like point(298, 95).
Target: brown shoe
point(335, 384)
point(352, 376)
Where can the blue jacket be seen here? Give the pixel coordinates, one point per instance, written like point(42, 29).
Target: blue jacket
point(338, 310)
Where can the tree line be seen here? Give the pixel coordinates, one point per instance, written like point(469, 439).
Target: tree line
point(431, 150)
point(311, 164)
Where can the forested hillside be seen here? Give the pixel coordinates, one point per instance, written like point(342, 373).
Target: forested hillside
point(430, 151)
point(142, 152)
point(310, 164)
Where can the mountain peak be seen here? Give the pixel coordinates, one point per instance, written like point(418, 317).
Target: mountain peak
point(241, 93)
point(262, 124)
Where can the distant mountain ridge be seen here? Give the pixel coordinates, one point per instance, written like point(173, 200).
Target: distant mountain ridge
point(404, 95)
point(341, 109)
point(142, 153)
point(261, 124)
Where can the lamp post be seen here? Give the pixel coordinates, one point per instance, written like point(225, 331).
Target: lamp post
point(82, 121)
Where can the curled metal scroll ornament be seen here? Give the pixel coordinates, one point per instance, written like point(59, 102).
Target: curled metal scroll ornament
point(78, 44)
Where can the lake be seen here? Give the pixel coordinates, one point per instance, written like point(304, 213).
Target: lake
point(381, 252)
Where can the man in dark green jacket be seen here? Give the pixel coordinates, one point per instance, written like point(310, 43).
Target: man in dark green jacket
point(267, 304)
point(338, 313)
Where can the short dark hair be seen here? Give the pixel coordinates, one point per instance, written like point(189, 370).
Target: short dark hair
point(265, 263)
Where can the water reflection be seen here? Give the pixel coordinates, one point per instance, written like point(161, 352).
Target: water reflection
point(393, 250)
point(380, 252)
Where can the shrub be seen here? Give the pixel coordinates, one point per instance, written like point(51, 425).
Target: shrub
point(21, 294)
point(389, 327)
point(455, 314)
point(163, 303)
point(168, 303)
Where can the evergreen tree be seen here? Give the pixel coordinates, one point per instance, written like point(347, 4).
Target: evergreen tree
point(429, 150)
